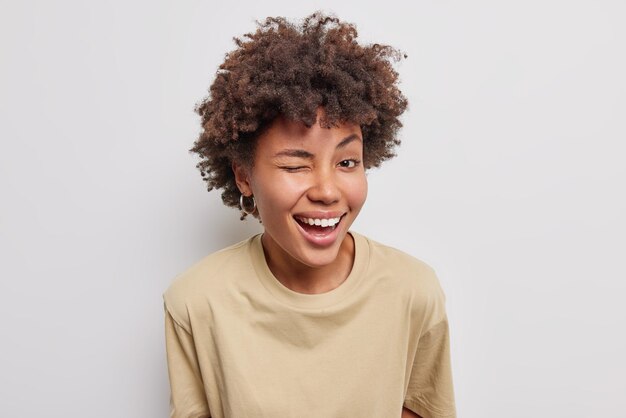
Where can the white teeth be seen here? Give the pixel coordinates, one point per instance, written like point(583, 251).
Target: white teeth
point(324, 223)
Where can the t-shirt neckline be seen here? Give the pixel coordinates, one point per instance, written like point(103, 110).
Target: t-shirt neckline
point(310, 301)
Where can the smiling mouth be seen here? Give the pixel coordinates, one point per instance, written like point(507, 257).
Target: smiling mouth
point(318, 226)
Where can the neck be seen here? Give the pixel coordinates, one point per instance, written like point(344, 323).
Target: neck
point(303, 278)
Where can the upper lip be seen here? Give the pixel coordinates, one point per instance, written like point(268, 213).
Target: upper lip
point(319, 215)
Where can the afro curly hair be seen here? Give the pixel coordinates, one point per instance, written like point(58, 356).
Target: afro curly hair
point(290, 70)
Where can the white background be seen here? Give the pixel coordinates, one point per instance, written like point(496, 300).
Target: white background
point(510, 182)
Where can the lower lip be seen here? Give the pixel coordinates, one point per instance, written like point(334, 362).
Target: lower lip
point(321, 240)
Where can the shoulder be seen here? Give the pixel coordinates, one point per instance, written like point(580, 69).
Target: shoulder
point(206, 277)
point(414, 280)
point(392, 261)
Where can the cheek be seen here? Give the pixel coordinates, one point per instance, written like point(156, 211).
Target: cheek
point(277, 193)
point(357, 192)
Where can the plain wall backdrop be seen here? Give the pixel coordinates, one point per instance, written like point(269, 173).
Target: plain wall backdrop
point(510, 182)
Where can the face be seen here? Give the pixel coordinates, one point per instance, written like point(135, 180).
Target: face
point(309, 185)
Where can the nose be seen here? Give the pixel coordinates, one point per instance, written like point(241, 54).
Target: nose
point(324, 188)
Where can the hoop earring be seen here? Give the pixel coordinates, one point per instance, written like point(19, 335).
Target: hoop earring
point(247, 209)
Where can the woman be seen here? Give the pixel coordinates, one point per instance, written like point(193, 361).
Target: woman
point(307, 319)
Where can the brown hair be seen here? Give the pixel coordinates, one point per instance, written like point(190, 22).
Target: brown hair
point(292, 70)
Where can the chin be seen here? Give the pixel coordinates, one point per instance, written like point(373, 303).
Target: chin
point(317, 257)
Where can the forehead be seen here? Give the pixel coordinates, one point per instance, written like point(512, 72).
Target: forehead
point(286, 133)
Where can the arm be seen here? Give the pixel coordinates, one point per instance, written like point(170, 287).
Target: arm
point(187, 397)
point(430, 391)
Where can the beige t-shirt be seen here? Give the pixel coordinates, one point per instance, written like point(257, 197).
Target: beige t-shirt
point(242, 345)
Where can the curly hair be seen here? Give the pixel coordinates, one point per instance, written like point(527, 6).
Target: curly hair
point(292, 70)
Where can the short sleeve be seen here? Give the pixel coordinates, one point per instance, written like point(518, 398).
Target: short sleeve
point(430, 392)
point(187, 397)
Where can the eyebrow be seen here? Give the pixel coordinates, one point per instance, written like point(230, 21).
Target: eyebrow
point(347, 140)
point(300, 153)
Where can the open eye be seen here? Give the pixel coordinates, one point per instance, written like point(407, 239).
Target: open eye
point(350, 163)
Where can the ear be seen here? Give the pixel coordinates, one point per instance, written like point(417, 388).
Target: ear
point(242, 178)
